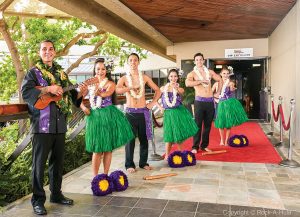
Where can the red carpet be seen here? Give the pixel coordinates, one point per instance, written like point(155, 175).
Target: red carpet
point(259, 150)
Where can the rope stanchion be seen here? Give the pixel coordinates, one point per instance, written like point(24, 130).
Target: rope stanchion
point(271, 133)
point(154, 156)
point(285, 127)
point(290, 162)
point(280, 123)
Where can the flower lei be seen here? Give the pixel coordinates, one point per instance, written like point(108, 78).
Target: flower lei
point(96, 103)
point(166, 96)
point(141, 81)
point(60, 78)
point(207, 77)
point(223, 88)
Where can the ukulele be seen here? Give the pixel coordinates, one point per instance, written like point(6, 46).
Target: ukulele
point(45, 99)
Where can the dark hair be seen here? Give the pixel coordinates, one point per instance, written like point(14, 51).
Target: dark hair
point(198, 55)
point(108, 75)
point(224, 67)
point(176, 71)
point(47, 41)
point(134, 54)
point(173, 70)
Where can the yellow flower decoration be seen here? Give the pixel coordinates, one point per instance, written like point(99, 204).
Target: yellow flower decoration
point(177, 160)
point(103, 185)
point(190, 159)
point(237, 141)
point(121, 180)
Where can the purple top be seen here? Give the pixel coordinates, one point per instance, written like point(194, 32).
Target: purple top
point(227, 94)
point(170, 95)
point(204, 99)
point(106, 101)
point(147, 115)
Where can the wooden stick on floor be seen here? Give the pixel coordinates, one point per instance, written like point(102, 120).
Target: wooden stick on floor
point(214, 152)
point(159, 176)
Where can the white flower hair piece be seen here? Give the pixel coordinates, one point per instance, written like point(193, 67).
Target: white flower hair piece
point(230, 69)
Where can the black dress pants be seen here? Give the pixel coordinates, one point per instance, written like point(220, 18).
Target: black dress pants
point(138, 124)
point(204, 114)
point(46, 146)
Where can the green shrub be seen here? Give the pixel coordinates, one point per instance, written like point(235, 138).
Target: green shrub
point(16, 181)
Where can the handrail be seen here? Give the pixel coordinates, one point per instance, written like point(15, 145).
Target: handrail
point(17, 111)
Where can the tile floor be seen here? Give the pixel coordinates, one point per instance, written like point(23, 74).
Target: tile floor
point(208, 189)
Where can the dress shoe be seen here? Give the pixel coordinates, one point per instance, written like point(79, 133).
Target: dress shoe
point(39, 210)
point(62, 200)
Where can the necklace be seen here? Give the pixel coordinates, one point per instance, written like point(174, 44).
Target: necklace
point(207, 77)
point(60, 79)
point(166, 96)
point(141, 89)
point(223, 88)
point(96, 101)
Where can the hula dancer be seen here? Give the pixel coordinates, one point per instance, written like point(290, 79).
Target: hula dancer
point(200, 79)
point(230, 111)
point(106, 126)
point(137, 111)
point(178, 121)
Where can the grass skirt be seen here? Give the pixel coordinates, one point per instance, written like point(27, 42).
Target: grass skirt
point(178, 125)
point(230, 113)
point(107, 129)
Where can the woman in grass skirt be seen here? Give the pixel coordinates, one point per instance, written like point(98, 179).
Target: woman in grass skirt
point(107, 128)
point(179, 124)
point(230, 112)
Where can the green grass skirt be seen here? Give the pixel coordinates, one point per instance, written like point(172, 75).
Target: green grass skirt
point(230, 113)
point(179, 125)
point(107, 129)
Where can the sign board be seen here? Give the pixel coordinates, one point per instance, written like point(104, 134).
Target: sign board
point(238, 52)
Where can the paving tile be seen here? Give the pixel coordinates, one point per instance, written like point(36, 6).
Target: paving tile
point(123, 201)
point(113, 211)
point(138, 212)
point(151, 203)
point(181, 206)
point(168, 213)
point(210, 208)
point(247, 211)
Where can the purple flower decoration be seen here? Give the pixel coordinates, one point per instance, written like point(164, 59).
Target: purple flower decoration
point(119, 180)
point(189, 158)
point(101, 185)
point(238, 141)
point(175, 159)
point(245, 140)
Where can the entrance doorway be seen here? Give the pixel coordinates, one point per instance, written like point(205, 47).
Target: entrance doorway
point(250, 76)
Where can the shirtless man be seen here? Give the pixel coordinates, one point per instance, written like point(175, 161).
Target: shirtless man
point(137, 111)
point(200, 79)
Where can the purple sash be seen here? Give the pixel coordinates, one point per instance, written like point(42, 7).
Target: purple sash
point(44, 120)
point(147, 116)
point(204, 99)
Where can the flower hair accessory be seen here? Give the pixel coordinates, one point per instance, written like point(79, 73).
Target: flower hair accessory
point(230, 69)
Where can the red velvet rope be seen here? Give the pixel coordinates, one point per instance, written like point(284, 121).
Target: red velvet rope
point(159, 125)
point(286, 127)
point(276, 116)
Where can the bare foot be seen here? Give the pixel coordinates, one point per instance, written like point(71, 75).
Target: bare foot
point(166, 158)
point(130, 170)
point(194, 151)
point(207, 149)
point(147, 167)
point(221, 143)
